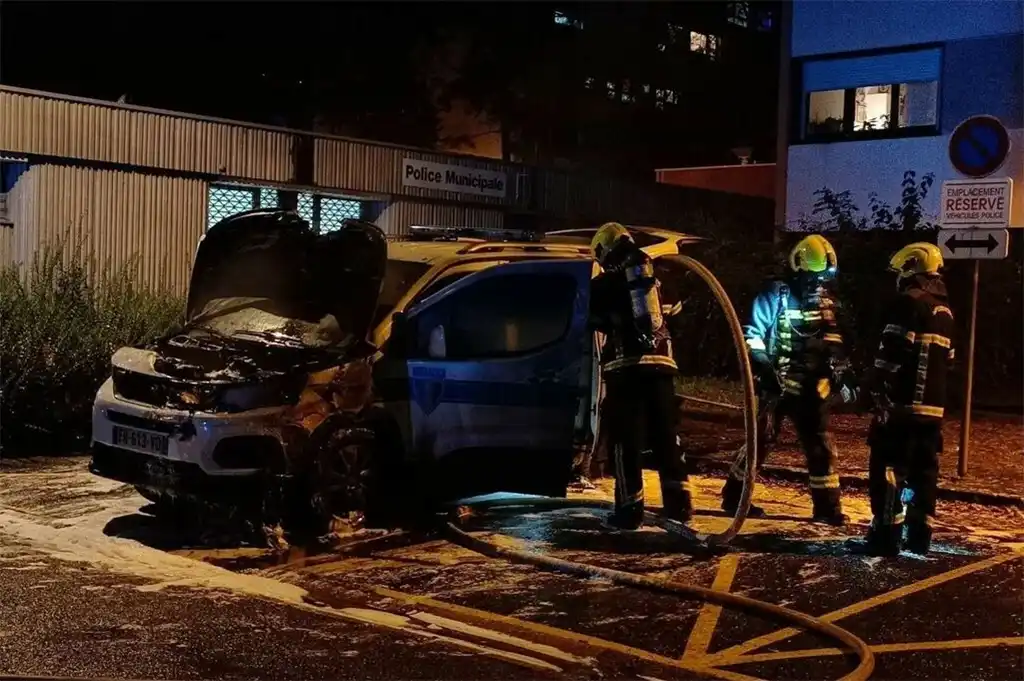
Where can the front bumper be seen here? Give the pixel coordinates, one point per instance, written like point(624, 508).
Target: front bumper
point(209, 455)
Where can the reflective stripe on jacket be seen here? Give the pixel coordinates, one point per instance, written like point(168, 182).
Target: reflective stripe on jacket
point(912, 365)
point(796, 335)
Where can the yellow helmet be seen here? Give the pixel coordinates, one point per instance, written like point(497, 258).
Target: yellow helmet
point(608, 235)
point(813, 254)
point(917, 258)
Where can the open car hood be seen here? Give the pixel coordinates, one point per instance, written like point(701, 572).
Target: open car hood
point(273, 261)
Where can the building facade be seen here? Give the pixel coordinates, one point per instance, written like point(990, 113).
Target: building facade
point(125, 182)
point(626, 86)
point(875, 88)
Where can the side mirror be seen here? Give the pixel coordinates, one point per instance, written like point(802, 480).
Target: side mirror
point(436, 348)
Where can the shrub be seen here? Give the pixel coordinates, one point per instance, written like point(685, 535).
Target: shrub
point(61, 319)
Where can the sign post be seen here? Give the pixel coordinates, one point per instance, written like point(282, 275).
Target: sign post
point(974, 219)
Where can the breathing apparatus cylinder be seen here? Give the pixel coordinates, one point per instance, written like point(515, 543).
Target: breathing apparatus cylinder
point(643, 295)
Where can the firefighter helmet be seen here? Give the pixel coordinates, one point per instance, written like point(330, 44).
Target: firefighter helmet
point(607, 237)
point(814, 254)
point(917, 258)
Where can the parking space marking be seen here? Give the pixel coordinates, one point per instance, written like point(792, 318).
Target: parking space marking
point(704, 628)
point(918, 646)
point(736, 654)
point(485, 617)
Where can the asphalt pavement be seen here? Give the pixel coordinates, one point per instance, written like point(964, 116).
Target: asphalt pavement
point(93, 586)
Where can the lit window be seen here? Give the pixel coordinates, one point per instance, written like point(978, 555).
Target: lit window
point(825, 112)
point(627, 96)
point(872, 107)
point(875, 107)
point(588, 83)
point(659, 98)
point(611, 89)
point(562, 19)
point(738, 13)
point(671, 97)
point(647, 89)
point(662, 47)
point(704, 44)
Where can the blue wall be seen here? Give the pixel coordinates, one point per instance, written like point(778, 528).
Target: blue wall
point(829, 26)
point(983, 76)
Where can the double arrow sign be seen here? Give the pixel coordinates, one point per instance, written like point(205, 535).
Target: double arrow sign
point(965, 239)
point(974, 244)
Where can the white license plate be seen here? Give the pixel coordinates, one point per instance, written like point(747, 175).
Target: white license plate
point(140, 441)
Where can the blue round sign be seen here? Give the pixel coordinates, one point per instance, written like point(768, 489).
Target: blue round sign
point(979, 146)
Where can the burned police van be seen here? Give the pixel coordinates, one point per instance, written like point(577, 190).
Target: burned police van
point(273, 349)
point(481, 376)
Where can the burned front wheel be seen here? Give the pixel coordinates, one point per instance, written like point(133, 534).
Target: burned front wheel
point(330, 482)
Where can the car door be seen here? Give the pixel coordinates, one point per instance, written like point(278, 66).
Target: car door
point(494, 373)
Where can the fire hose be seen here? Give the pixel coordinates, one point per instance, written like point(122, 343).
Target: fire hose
point(456, 534)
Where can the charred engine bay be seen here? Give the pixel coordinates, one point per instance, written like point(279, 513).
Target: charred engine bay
point(221, 374)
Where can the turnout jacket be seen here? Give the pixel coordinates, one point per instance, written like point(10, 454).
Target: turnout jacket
point(796, 335)
point(626, 307)
point(912, 364)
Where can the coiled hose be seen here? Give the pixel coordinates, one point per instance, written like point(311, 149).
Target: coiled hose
point(749, 399)
point(457, 535)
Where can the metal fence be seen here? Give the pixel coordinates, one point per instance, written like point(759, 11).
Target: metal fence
point(324, 213)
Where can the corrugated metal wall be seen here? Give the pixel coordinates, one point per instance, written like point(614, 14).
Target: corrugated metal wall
point(342, 164)
point(46, 124)
point(71, 129)
point(399, 215)
point(117, 216)
point(6, 245)
point(18, 242)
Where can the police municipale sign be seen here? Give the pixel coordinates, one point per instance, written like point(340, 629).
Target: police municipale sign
point(453, 178)
point(976, 203)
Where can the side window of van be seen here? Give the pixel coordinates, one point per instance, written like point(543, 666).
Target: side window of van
point(502, 316)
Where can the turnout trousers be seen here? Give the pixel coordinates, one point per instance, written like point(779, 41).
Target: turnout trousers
point(642, 416)
point(903, 476)
point(809, 415)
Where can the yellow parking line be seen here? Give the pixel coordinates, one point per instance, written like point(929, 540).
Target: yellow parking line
point(735, 653)
point(888, 648)
point(704, 628)
point(491, 618)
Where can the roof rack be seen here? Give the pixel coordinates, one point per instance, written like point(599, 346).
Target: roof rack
point(440, 233)
point(525, 247)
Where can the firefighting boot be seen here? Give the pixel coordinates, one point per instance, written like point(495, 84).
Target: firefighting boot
point(919, 537)
point(732, 493)
point(825, 500)
point(677, 502)
point(625, 519)
point(883, 540)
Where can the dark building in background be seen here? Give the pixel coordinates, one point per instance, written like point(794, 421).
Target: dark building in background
point(628, 87)
point(616, 87)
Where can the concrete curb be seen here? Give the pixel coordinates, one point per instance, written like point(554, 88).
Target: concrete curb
point(788, 474)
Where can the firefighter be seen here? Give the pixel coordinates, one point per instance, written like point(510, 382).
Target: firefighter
point(639, 372)
point(908, 389)
point(795, 345)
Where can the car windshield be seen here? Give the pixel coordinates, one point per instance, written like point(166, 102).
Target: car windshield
point(399, 277)
point(265, 319)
